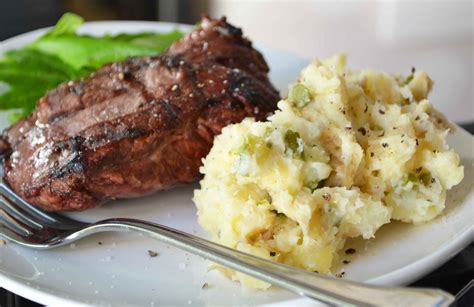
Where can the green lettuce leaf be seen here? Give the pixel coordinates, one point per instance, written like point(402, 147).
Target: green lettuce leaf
point(86, 51)
point(67, 24)
point(61, 55)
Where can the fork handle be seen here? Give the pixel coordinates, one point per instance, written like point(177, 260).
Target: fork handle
point(323, 288)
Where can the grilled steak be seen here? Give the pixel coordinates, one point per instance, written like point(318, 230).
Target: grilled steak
point(138, 126)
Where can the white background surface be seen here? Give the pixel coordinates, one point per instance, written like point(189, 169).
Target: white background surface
point(432, 35)
point(119, 271)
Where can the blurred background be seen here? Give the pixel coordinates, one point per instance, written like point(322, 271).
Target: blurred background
point(435, 36)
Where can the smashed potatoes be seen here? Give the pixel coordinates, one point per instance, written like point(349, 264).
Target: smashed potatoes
point(346, 153)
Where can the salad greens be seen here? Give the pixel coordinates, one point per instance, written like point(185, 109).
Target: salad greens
point(61, 55)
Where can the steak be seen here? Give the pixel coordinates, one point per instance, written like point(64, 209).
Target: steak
point(138, 126)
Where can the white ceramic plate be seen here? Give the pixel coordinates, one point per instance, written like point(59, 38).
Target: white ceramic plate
point(115, 268)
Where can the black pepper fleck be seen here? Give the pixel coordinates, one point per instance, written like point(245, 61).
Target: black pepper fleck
point(273, 254)
point(382, 112)
point(152, 254)
point(362, 131)
point(384, 145)
point(346, 262)
point(350, 251)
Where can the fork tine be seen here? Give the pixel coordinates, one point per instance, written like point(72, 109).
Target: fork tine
point(10, 230)
point(10, 223)
point(32, 241)
point(10, 235)
point(19, 227)
point(39, 215)
point(18, 213)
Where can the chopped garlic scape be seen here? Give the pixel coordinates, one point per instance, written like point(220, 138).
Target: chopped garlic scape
point(294, 144)
point(300, 95)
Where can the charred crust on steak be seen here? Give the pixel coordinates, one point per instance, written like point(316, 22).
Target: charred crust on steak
point(75, 146)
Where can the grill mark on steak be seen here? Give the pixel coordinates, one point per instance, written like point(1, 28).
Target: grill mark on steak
point(76, 164)
point(138, 126)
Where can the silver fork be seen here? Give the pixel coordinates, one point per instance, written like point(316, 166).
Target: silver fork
point(31, 227)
